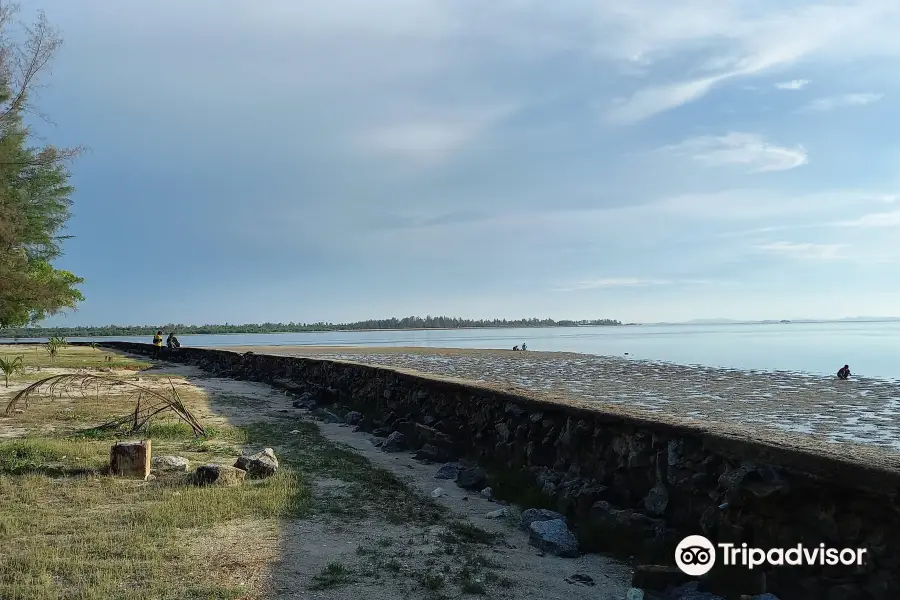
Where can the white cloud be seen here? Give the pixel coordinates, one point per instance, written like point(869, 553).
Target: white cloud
point(651, 101)
point(803, 251)
point(787, 209)
point(881, 219)
point(741, 149)
point(594, 284)
point(737, 39)
point(846, 100)
point(796, 84)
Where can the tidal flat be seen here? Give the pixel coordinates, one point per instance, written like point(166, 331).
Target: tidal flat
point(773, 405)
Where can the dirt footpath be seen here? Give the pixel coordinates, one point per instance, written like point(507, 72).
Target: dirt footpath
point(310, 546)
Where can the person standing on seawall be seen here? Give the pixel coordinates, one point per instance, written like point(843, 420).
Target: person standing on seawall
point(157, 344)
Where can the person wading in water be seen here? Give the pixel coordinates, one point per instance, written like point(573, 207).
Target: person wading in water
point(157, 344)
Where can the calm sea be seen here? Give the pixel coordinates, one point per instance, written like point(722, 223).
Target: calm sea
point(871, 349)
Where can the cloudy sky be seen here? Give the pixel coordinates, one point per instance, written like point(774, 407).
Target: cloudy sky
point(650, 160)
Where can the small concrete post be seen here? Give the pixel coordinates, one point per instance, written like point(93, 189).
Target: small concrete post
point(130, 459)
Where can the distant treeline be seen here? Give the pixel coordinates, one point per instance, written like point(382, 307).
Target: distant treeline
point(392, 323)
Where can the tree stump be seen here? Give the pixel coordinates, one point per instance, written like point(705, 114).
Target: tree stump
point(130, 459)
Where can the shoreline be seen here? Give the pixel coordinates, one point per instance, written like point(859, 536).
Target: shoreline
point(299, 349)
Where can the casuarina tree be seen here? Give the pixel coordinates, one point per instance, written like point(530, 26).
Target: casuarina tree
point(35, 195)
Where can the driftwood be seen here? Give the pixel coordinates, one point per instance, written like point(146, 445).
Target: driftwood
point(148, 402)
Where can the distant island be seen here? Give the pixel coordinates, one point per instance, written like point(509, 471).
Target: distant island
point(371, 324)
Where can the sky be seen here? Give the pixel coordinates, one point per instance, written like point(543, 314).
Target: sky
point(288, 160)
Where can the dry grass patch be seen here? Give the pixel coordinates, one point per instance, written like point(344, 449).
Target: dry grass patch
point(68, 531)
point(71, 357)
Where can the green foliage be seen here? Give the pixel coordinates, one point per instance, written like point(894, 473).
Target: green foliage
point(392, 323)
point(54, 344)
point(34, 186)
point(11, 366)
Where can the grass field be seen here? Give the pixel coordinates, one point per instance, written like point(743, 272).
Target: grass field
point(68, 530)
point(69, 357)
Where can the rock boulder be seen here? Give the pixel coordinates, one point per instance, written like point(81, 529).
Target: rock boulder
point(447, 471)
point(534, 515)
point(261, 464)
point(471, 477)
point(554, 538)
point(219, 475)
point(170, 463)
point(395, 442)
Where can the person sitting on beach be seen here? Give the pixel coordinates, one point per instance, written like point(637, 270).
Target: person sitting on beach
point(515, 347)
point(172, 341)
point(844, 372)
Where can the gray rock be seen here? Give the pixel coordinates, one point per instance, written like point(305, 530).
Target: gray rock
point(471, 478)
point(437, 493)
point(170, 463)
point(261, 464)
point(433, 454)
point(353, 417)
point(395, 442)
point(219, 475)
point(581, 579)
point(497, 514)
point(657, 499)
point(327, 416)
point(447, 471)
point(554, 538)
point(487, 493)
point(309, 399)
point(533, 515)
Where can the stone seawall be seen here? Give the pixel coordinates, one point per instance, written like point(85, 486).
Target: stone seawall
point(629, 485)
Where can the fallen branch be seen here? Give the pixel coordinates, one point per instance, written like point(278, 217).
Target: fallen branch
point(148, 402)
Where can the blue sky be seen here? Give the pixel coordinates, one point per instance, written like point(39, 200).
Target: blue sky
point(646, 161)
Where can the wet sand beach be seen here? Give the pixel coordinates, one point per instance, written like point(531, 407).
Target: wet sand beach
point(804, 409)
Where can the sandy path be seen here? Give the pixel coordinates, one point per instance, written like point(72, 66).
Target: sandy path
point(308, 545)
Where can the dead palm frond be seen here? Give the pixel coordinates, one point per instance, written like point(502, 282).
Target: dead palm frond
point(148, 402)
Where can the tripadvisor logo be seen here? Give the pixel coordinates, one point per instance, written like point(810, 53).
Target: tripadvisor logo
point(695, 555)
